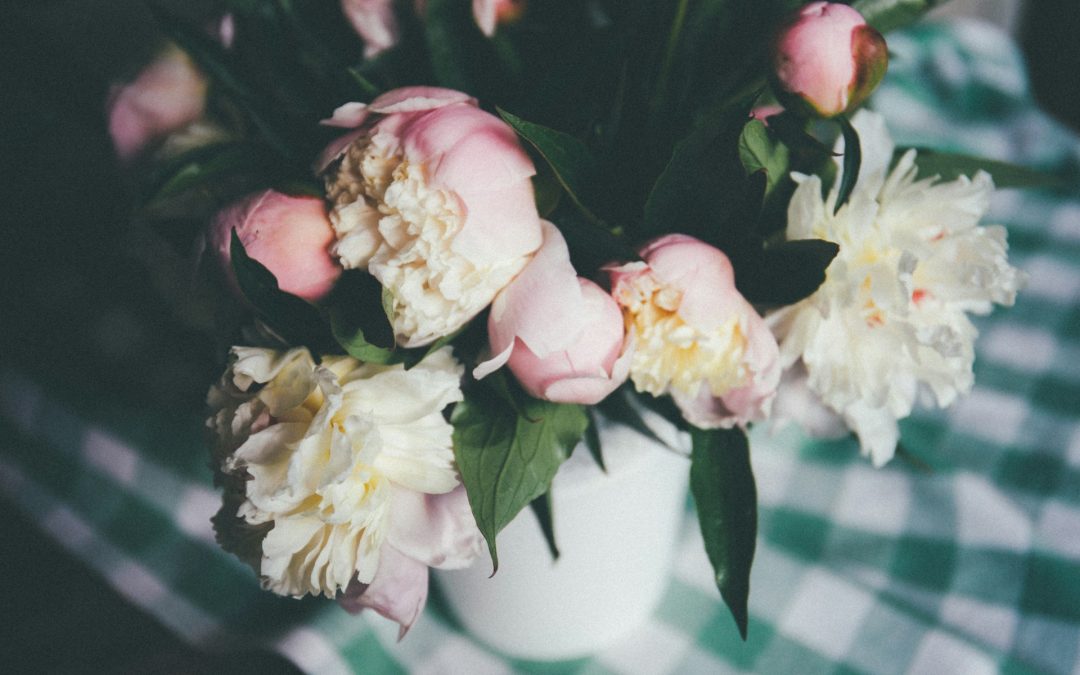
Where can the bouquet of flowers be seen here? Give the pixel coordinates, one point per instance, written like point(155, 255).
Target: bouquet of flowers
point(450, 237)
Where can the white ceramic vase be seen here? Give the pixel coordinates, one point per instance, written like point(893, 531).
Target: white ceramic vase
point(616, 533)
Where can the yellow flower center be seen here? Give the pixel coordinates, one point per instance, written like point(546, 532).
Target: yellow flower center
point(672, 355)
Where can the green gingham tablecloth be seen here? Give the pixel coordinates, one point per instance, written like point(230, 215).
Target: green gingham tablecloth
point(972, 568)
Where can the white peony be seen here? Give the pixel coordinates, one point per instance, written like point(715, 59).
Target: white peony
point(891, 320)
point(333, 464)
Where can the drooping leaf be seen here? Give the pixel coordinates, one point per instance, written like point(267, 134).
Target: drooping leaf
point(784, 273)
point(293, 318)
point(852, 162)
point(573, 164)
point(507, 459)
point(592, 440)
point(887, 15)
point(950, 166)
point(541, 506)
point(617, 408)
point(760, 151)
point(722, 482)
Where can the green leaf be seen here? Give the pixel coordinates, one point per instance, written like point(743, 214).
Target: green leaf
point(507, 459)
point(950, 166)
point(352, 340)
point(574, 165)
point(617, 408)
point(784, 273)
point(206, 167)
point(592, 440)
point(852, 162)
point(357, 321)
point(541, 506)
point(293, 318)
point(701, 181)
point(759, 151)
point(722, 483)
point(887, 15)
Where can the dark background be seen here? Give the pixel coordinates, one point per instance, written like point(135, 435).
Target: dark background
point(71, 292)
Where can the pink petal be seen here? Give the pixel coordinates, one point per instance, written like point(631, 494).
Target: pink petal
point(703, 274)
point(347, 116)
point(398, 591)
point(437, 530)
point(542, 306)
point(415, 99)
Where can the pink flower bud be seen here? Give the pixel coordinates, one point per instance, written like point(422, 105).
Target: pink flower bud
point(827, 59)
point(168, 94)
point(290, 236)
point(562, 336)
point(696, 337)
point(375, 22)
point(491, 13)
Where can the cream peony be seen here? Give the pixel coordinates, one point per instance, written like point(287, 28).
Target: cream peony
point(341, 467)
point(891, 317)
point(433, 197)
point(694, 335)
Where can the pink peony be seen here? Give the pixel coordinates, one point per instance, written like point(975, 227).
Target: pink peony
point(434, 198)
point(562, 336)
point(290, 236)
point(827, 59)
point(426, 531)
point(168, 94)
point(695, 336)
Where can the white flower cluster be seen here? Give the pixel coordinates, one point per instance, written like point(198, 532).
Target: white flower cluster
point(891, 318)
point(324, 453)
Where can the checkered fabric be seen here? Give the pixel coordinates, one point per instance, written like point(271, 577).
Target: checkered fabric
point(971, 568)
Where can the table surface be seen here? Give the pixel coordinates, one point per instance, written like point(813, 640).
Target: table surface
point(971, 567)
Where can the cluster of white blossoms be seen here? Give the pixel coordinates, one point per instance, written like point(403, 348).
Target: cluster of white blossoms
point(891, 319)
point(327, 461)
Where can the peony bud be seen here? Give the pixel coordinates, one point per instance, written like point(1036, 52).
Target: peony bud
point(375, 22)
point(492, 13)
point(434, 198)
point(562, 336)
point(290, 236)
point(695, 336)
point(827, 59)
point(168, 94)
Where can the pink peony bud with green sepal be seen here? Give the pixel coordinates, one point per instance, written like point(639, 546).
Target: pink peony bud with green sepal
point(827, 60)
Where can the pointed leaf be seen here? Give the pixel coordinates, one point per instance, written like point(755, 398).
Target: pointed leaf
point(760, 151)
point(574, 165)
point(852, 162)
point(618, 408)
point(541, 506)
point(592, 440)
point(291, 317)
point(701, 181)
point(507, 460)
point(722, 483)
point(785, 273)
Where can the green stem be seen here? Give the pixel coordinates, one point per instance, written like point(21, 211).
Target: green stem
point(669, 53)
